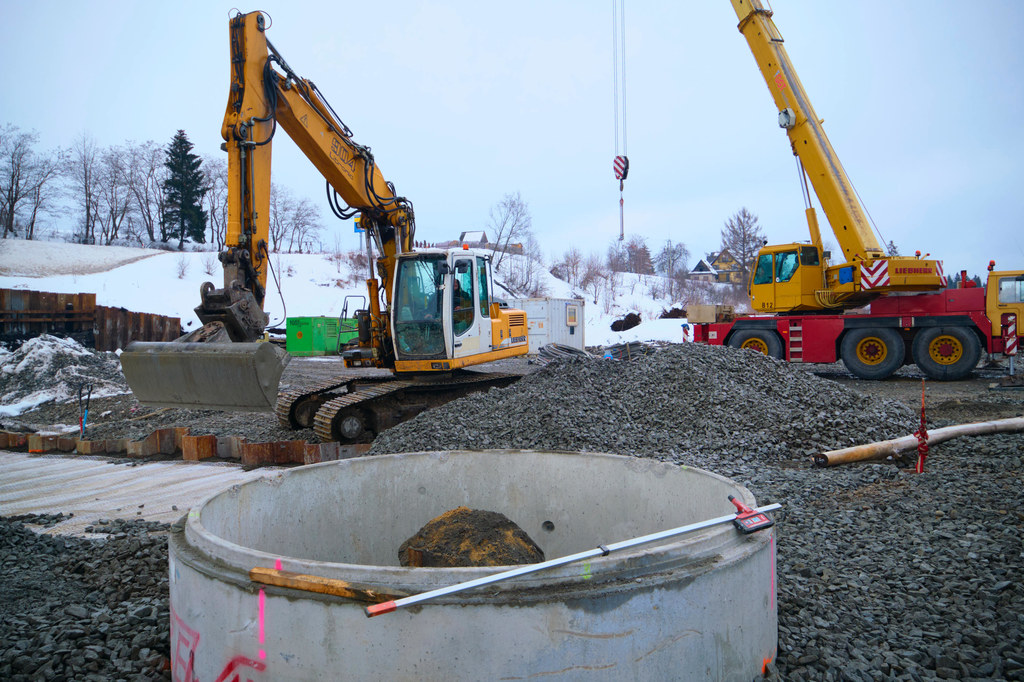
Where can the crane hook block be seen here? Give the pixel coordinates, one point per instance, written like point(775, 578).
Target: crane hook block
point(621, 167)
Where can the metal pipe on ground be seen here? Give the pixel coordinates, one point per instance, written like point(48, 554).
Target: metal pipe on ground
point(897, 446)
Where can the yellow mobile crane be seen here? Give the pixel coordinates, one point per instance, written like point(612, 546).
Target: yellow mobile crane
point(801, 279)
point(911, 316)
point(431, 312)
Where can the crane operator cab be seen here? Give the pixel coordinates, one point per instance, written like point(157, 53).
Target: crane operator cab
point(443, 313)
point(786, 278)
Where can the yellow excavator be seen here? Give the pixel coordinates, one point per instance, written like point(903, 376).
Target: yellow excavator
point(431, 312)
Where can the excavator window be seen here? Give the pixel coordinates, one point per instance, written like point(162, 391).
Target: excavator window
point(418, 324)
point(481, 268)
point(786, 264)
point(462, 296)
point(763, 273)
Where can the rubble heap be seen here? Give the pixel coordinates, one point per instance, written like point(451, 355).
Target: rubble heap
point(51, 368)
point(691, 403)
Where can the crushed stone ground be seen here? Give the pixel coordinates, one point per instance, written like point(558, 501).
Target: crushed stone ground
point(883, 574)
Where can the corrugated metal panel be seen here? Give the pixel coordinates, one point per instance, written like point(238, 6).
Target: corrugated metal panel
point(30, 313)
point(95, 487)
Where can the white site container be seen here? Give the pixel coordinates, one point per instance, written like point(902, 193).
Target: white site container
point(552, 320)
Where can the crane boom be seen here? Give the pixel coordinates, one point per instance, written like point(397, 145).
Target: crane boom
point(792, 277)
point(806, 135)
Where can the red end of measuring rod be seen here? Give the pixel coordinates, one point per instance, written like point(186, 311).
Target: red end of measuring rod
point(377, 609)
point(749, 520)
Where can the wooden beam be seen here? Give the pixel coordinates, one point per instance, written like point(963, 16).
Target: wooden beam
point(315, 583)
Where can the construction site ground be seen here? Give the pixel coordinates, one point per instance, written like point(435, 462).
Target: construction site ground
point(883, 573)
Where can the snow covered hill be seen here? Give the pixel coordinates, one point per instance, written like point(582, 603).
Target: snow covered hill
point(167, 283)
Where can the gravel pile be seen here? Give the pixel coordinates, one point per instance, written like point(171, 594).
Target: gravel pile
point(883, 573)
point(77, 609)
point(694, 404)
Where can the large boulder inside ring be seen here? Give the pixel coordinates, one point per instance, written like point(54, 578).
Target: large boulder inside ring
point(469, 537)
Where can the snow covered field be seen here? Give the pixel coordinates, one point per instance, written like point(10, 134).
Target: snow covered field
point(167, 283)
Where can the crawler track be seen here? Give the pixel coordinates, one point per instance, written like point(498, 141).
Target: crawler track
point(366, 407)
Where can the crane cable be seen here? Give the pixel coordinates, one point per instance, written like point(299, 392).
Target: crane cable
point(621, 162)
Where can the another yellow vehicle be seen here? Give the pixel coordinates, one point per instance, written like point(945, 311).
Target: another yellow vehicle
point(911, 317)
point(799, 277)
point(415, 325)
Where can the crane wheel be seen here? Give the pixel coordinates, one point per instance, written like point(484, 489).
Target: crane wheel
point(946, 353)
point(760, 340)
point(873, 353)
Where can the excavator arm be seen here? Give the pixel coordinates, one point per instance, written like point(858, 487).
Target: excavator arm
point(223, 365)
point(266, 93)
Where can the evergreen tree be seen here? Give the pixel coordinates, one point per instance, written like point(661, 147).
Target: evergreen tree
point(183, 215)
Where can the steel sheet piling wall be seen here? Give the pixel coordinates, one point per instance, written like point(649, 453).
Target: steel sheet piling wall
point(26, 314)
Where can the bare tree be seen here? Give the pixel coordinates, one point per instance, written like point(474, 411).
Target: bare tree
point(26, 186)
point(743, 236)
point(524, 272)
point(303, 224)
point(216, 171)
point(573, 261)
point(82, 170)
point(280, 205)
point(891, 249)
point(594, 276)
point(113, 197)
point(510, 220)
point(617, 259)
point(146, 174)
point(671, 262)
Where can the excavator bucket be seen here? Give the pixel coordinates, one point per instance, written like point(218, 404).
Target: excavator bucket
point(205, 376)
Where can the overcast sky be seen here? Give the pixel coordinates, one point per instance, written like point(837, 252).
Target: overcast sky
point(463, 102)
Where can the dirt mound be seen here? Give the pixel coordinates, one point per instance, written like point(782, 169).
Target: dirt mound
point(469, 537)
point(50, 368)
point(628, 322)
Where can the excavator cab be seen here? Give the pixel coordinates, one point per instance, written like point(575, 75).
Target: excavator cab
point(443, 316)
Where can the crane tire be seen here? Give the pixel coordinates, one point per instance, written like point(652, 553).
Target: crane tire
point(946, 353)
point(760, 340)
point(872, 354)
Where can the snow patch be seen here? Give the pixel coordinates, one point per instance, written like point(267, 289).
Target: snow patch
point(49, 368)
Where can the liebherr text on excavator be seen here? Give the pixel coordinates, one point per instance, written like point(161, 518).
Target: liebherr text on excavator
point(431, 312)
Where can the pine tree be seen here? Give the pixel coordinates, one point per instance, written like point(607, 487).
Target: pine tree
point(183, 216)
